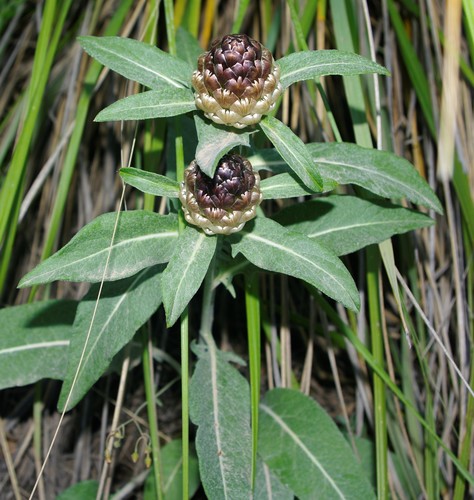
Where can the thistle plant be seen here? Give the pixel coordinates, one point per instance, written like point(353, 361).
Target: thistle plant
point(154, 261)
point(237, 81)
point(223, 204)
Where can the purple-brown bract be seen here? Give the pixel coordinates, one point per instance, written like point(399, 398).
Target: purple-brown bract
point(223, 204)
point(237, 81)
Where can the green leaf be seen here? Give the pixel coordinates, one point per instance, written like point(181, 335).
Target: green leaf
point(220, 407)
point(293, 151)
point(186, 270)
point(347, 223)
point(172, 468)
point(287, 185)
point(272, 247)
point(84, 490)
point(305, 449)
point(142, 239)
point(268, 486)
point(149, 182)
point(172, 473)
point(381, 172)
point(315, 63)
point(34, 341)
point(188, 47)
point(214, 142)
point(138, 61)
point(168, 101)
point(269, 159)
point(124, 307)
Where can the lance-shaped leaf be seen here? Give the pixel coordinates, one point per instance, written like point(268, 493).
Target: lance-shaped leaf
point(187, 46)
point(214, 142)
point(315, 63)
point(306, 450)
point(168, 101)
point(272, 247)
point(287, 185)
point(293, 151)
point(347, 223)
point(82, 489)
point(142, 239)
point(220, 407)
point(34, 341)
point(149, 182)
point(171, 464)
point(124, 307)
point(268, 486)
point(380, 172)
point(186, 270)
point(271, 160)
point(138, 61)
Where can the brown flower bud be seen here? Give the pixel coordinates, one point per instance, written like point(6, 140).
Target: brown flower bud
point(223, 204)
point(237, 81)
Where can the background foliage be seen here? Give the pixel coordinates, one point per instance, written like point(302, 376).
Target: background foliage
point(59, 171)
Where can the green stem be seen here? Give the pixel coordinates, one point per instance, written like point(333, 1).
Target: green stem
point(252, 304)
point(151, 409)
point(38, 407)
point(376, 334)
point(207, 310)
point(170, 28)
point(153, 141)
point(184, 320)
point(184, 332)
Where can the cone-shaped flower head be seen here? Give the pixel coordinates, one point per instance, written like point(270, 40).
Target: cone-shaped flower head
point(221, 205)
point(237, 81)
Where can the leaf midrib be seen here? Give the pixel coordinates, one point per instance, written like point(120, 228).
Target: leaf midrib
point(110, 317)
point(302, 69)
point(37, 345)
point(379, 174)
point(141, 66)
point(302, 257)
point(215, 405)
point(357, 226)
point(301, 445)
point(96, 254)
point(303, 171)
point(167, 104)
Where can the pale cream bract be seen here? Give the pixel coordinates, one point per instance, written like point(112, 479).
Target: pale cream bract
point(237, 81)
point(223, 204)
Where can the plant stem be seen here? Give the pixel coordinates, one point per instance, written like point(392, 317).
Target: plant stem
point(184, 333)
point(170, 28)
point(151, 409)
point(207, 310)
point(153, 141)
point(38, 432)
point(252, 305)
point(380, 417)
